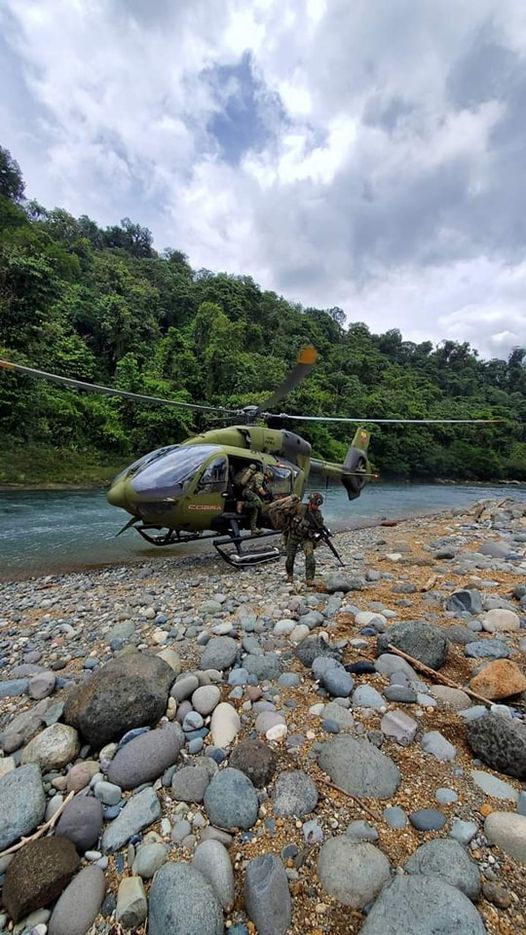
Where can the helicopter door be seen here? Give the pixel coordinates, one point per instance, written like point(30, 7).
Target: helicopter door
point(207, 502)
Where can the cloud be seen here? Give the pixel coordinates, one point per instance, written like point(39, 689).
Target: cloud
point(362, 155)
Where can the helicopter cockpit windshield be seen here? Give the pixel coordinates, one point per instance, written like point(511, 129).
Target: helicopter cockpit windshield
point(171, 473)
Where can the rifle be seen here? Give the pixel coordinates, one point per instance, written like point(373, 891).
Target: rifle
point(325, 534)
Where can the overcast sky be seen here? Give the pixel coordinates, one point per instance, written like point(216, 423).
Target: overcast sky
point(368, 154)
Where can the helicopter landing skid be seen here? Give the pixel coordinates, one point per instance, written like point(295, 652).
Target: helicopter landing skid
point(239, 556)
point(171, 537)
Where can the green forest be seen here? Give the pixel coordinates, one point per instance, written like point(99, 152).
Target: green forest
point(102, 305)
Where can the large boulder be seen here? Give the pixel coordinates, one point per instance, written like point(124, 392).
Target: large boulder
point(500, 742)
point(37, 875)
point(423, 641)
point(130, 691)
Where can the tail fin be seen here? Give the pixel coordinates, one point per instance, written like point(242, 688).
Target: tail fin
point(355, 464)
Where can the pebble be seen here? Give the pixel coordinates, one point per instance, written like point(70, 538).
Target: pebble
point(312, 832)
point(508, 831)
point(107, 792)
point(206, 698)
point(365, 696)
point(140, 811)
point(395, 817)
point(255, 759)
point(148, 859)
point(198, 909)
point(146, 757)
point(399, 726)
point(427, 904)
point(267, 896)
point(448, 860)
point(212, 860)
point(487, 649)
point(438, 746)
point(359, 767)
point(427, 819)
point(184, 687)
point(189, 784)
point(231, 801)
point(79, 904)
point(220, 653)
point(294, 794)
point(53, 748)
point(400, 694)
point(497, 895)
point(81, 822)
point(353, 873)
point(361, 831)
point(453, 697)
point(22, 803)
point(225, 724)
point(38, 874)
point(463, 831)
point(446, 796)
point(131, 907)
point(493, 786)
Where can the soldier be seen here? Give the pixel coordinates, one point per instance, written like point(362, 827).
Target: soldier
point(254, 491)
point(303, 532)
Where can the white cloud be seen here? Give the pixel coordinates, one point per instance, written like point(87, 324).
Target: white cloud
point(372, 188)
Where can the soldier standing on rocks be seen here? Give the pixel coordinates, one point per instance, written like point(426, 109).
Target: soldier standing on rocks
point(303, 532)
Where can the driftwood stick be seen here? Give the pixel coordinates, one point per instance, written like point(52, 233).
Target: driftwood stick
point(437, 675)
point(355, 799)
point(40, 831)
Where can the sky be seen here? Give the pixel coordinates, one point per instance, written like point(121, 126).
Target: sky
point(366, 154)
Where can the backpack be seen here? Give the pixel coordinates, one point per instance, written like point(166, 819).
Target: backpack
point(243, 476)
point(281, 512)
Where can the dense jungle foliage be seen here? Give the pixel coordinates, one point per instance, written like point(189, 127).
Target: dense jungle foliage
point(102, 305)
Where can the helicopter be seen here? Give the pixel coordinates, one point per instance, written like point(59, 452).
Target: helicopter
point(187, 491)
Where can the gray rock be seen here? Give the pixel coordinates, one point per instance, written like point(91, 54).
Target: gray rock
point(81, 822)
point(448, 860)
point(427, 819)
point(399, 726)
point(206, 698)
point(220, 653)
point(231, 800)
point(446, 796)
point(107, 792)
point(500, 742)
point(11, 688)
point(22, 803)
point(267, 897)
point(182, 902)
point(146, 757)
point(469, 601)
point(148, 859)
point(140, 811)
point(400, 693)
point(42, 685)
point(463, 831)
point(212, 860)
point(130, 691)
point(454, 697)
point(423, 641)
point(521, 803)
point(487, 649)
point(508, 831)
point(353, 873)
point(420, 905)
point(267, 666)
point(390, 663)
point(131, 907)
point(495, 548)
point(189, 784)
point(459, 634)
point(79, 904)
point(359, 768)
point(395, 817)
point(185, 686)
point(339, 581)
point(332, 676)
point(493, 786)
point(294, 793)
point(365, 696)
point(436, 744)
point(361, 831)
point(339, 715)
point(313, 646)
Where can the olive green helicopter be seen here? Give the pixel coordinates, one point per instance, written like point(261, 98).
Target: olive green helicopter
point(187, 491)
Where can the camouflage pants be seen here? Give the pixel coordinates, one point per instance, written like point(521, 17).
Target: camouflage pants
point(253, 504)
point(293, 546)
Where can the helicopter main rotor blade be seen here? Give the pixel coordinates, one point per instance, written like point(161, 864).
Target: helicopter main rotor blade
point(307, 357)
point(285, 415)
point(109, 390)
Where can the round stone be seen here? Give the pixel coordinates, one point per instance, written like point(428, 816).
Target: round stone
point(294, 793)
point(421, 905)
point(255, 759)
point(427, 819)
point(212, 860)
point(231, 800)
point(183, 902)
point(353, 873)
point(447, 859)
point(206, 698)
point(54, 748)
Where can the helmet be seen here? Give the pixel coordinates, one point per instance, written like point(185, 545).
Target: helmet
point(316, 499)
point(253, 467)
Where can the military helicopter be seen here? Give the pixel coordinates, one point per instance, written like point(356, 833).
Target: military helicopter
point(180, 493)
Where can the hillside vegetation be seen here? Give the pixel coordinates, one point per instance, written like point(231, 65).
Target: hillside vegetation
point(102, 305)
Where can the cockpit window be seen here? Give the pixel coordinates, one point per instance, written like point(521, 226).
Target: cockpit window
point(141, 463)
point(213, 479)
point(171, 474)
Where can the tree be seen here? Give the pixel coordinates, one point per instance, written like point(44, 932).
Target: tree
point(11, 181)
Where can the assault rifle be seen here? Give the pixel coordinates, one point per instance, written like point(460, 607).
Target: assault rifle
point(324, 534)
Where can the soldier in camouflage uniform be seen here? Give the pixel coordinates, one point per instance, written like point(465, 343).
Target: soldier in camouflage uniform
point(254, 493)
point(302, 533)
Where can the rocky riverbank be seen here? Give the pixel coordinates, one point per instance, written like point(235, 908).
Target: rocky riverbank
point(219, 749)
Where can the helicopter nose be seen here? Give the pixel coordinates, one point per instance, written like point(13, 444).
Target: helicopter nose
point(117, 494)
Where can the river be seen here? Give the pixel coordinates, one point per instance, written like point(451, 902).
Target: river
point(49, 531)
